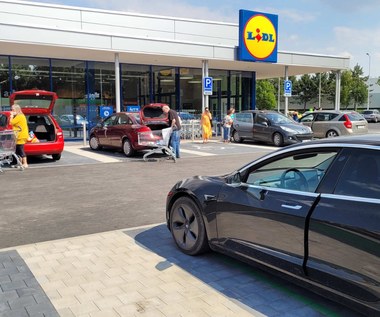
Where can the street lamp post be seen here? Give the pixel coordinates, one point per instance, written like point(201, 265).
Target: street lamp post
point(369, 75)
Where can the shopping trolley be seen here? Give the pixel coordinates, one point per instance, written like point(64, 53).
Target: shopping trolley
point(157, 141)
point(8, 149)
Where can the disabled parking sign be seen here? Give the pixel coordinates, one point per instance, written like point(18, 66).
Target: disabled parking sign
point(105, 111)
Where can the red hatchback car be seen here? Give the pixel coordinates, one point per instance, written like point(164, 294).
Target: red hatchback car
point(37, 105)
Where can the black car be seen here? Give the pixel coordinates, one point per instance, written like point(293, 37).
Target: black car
point(309, 212)
point(268, 126)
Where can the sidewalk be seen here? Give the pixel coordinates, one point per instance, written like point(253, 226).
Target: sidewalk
point(139, 272)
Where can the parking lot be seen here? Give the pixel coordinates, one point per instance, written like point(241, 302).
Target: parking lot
point(84, 236)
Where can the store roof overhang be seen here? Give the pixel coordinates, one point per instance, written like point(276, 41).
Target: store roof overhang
point(37, 41)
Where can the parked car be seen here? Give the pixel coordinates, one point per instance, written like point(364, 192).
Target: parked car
point(372, 115)
point(37, 105)
point(152, 116)
point(119, 130)
point(67, 120)
point(268, 126)
point(332, 123)
point(308, 212)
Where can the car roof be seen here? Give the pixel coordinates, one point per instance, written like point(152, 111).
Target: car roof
point(362, 139)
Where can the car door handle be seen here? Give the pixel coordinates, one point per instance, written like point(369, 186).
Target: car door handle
point(209, 197)
point(294, 207)
point(262, 194)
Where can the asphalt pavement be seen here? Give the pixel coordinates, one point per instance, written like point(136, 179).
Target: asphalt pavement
point(85, 236)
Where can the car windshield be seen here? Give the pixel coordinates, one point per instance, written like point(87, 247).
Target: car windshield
point(276, 118)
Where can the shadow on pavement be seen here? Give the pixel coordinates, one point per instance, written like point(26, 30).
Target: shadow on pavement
point(244, 284)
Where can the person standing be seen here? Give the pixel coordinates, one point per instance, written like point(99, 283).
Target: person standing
point(227, 123)
point(20, 127)
point(175, 124)
point(206, 125)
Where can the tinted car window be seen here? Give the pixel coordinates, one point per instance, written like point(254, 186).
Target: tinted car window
point(325, 116)
point(260, 119)
point(360, 176)
point(276, 118)
point(244, 117)
point(307, 118)
point(298, 172)
point(109, 121)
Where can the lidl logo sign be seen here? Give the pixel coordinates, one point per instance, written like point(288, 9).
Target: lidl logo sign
point(257, 36)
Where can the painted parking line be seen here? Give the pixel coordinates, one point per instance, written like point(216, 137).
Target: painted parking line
point(95, 156)
point(197, 152)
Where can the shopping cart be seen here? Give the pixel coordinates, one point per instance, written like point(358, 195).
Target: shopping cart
point(157, 141)
point(8, 149)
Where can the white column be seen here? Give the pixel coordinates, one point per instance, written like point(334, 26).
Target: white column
point(205, 100)
point(286, 110)
point(337, 89)
point(117, 82)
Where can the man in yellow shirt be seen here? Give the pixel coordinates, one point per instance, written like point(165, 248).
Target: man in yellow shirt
point(20, 127)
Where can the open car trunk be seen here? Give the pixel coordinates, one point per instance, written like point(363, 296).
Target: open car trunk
point(42, 128)
point(152, 116)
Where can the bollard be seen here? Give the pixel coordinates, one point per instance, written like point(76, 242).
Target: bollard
point(84, 134)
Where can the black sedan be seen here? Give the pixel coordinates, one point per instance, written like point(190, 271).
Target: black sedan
point(309, 212)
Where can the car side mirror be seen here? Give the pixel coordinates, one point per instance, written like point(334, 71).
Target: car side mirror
point(265, 124)
point(99, 125)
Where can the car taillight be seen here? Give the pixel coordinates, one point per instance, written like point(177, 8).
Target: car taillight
point(347, 123)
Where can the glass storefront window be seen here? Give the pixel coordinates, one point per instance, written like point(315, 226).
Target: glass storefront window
point(30, 73)
point(101, 89)
point(134, 85)
point(241, 90)
point(164, 85)
point(68, 79)
point(219, 100)
point(4, 83)
point(191, 91)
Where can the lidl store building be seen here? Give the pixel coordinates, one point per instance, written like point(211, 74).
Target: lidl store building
point(95, 58)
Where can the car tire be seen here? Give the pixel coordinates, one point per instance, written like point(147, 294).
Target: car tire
point(56, 157)
point(278, 139)
point(187, 227)
point(236, 137)
point(94, 143)
point(331, 134)
point(127, 148)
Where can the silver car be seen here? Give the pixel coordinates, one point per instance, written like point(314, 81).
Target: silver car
point(332, 123)
point(371, 115)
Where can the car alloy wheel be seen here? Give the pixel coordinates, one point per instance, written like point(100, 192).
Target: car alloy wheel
point(236, 137)
point(187, 227)
point(127, 148)
point(94, 143)
point(331, 134)
point(278, 140)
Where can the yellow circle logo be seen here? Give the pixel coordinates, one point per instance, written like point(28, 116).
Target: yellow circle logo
point(260, 36)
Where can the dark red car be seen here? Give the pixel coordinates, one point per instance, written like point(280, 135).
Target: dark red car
point(119, 130)
point(37, 105)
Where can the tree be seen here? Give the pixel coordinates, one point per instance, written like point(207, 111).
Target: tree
point(306, 88)
point(265, 95)
point(346, 87)
point(359, 90)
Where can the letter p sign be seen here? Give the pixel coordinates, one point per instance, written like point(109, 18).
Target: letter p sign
point(207, 86)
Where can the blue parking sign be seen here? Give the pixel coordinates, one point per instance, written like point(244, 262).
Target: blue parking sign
point(207, 85)
point(287, 88)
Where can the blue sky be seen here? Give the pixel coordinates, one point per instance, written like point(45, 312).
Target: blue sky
point(330, 27)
